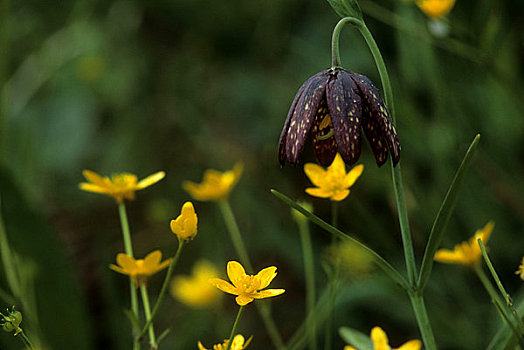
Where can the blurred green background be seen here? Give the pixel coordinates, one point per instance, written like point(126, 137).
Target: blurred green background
point(185, 85)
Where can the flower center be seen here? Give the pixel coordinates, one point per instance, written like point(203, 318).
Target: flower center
point(124, 180)
point(249, 284)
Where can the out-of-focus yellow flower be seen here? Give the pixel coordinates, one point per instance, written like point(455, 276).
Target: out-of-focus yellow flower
point(520, 271)
point(238, 344)
point(435, 9)
point(352, 257)
point(381, 342)
point(185, 225)
point(140, 270)
point(195, 290)
point(333, 182)
point(247, 287)
point(466, 253)
point(215, 185)
point(119, 186)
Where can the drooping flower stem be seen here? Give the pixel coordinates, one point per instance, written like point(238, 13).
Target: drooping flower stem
point(309, 270)
point(240, 247)
point(234, 329)
point(147, 312)
point(417, 299)
point(128, 247)
point(163, 290)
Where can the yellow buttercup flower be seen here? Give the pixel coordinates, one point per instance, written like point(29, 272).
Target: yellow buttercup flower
point(215, 185)
point(238, 344)
point(185, 225)
point(119, 186)
point(140, 270)
point(466, 253)
point(247, 287)
point(435, 9)
point(520, 271)
point(381, 342)
point(195, 290)
point(333, 182)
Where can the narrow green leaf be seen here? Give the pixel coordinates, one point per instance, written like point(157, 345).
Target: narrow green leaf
point(132, 318)
point(163, 335)
point(505, 337)
point(444, 213)
point(380, 261)
point(10, 270)
point(355, 338)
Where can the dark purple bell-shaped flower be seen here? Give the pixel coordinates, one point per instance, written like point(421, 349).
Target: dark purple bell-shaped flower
point(332, 106)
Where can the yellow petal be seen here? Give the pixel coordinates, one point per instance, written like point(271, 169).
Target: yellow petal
point(435, 8)
point(347, 347)
point(339, 195)
point(93, 177)
point(235, 271)
point(238, 342)
point(243, 300)
point(449, 257)
point(238, 168)
point(152, 260)
point(318, 192)
point(315, 173)
point(485, 233)
point(337, 166)
point(268, 293)
point(127, 262)
point(200, 346)
point(118, 269)
point(150, 180)
point(411, 345)
point(353, 175)
point(224, 286)
point(247, 342)
point(92, 188)
point(379, 339)
point(266, 276)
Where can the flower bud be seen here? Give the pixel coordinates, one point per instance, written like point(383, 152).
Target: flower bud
point(12, 321)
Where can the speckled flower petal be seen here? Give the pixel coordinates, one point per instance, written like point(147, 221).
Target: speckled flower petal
point(379, 113)
point(283, 134)
point(345, 107)
point(372, 131)
point(323, 137)
point(303, 116)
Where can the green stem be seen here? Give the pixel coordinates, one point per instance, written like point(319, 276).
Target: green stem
point(334, 214)
point(417, 302)
point(505, 295)
point(234, 329)
point(240, 247)
point(128, 247)
point(332, 280)
point(26, 340)
point(234, 233)
point(309, 271)
point(163, 290)
point(10, 270)
point(147, 312)
point(495, 298)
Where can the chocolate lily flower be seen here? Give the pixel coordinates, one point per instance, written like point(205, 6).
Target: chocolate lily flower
point(333, 105)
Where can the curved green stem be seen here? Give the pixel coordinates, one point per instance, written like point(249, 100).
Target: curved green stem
point(147, 312)
point(164, 289)
point(417, 299)
point(234, 329)
point(128, 247)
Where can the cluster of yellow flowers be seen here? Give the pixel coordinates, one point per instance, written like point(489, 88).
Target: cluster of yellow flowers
point(197, 290)
point(381, 342)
